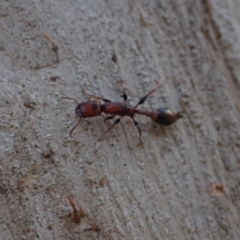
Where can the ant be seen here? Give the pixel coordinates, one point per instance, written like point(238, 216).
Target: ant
point(93, 108)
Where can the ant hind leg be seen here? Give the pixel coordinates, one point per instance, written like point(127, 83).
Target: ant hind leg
point(115, 123)
point(139, 130)
point(108, 118)
point(143, 99)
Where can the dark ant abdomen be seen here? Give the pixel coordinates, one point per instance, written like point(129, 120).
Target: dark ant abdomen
point(165, 117)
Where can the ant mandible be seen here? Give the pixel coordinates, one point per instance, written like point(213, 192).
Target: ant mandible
point(93, 108)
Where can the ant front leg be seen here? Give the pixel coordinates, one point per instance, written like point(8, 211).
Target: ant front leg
point(124, 95)
point(96, 97)
point(115, 123)
point(75, 126)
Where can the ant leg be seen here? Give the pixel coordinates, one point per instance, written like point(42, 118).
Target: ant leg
point(124, 95)
point(139, 130)
point(75, 126)
point(108, 118)
point(115, 123)
point(96, 97)
point(142, 99)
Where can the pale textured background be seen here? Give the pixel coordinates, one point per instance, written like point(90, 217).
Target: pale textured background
point(164, 191)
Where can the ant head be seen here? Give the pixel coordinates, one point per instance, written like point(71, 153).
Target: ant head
point(78, 108)
point(165, 116)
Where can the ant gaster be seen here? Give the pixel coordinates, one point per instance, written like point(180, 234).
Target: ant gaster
point(93, 108)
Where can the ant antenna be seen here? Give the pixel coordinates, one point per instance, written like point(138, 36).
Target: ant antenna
point(69, 98)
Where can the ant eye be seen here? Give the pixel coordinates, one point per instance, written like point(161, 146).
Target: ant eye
point(78, 111)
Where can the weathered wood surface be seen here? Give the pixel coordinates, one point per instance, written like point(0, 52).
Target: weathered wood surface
point(184, 184)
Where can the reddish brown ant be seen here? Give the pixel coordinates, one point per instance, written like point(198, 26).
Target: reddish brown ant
point(93, 108)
